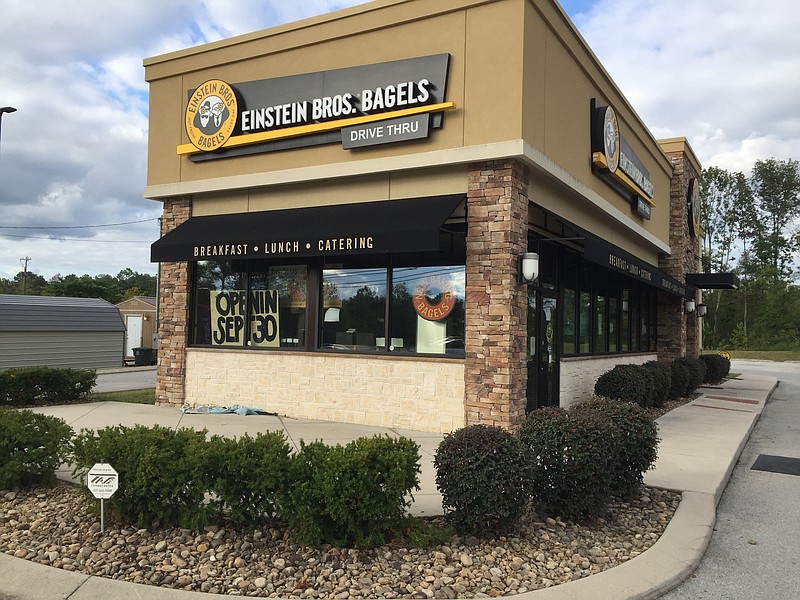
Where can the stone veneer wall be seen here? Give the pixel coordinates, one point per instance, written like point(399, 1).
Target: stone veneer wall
point(679, 333)
point(496, 319)
point(578, 375)
point(173, 312)
point(423, 395)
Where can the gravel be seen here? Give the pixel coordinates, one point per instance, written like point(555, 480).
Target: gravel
point(60, 527)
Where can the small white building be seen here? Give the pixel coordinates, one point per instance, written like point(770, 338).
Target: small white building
point(60, 332)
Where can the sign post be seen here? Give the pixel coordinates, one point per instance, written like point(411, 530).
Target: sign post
point(102, 481)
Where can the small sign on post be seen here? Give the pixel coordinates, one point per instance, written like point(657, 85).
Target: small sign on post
point(102, 481)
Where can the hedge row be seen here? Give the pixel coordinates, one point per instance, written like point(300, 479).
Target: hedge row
point(342, 495)
point(567, 462)
point(653, 383)
point(37, 386)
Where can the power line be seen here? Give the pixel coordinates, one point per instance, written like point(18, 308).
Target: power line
point(76, 226)
point(57, 239)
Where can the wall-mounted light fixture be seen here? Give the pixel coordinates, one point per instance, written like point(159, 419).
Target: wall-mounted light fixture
point(146, 318)
point(528, 270)
point(624, 306)
point(702, 309)
point(689, 306)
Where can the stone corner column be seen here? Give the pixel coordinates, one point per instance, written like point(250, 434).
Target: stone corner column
point(173, 313)
point(496, 306)
point(679, 332)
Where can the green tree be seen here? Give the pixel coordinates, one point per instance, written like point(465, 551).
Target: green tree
point(775, 185)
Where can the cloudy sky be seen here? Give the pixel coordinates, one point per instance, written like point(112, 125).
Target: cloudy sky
point(726, 75)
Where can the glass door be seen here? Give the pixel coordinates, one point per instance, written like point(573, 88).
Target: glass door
point(542, 349)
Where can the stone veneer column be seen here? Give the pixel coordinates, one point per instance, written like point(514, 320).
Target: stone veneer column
point(173, 313)
point(496, 306)
point(678, 332)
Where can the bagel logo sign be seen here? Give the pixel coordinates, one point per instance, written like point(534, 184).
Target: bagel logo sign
point(211, 115)
point(434, 298)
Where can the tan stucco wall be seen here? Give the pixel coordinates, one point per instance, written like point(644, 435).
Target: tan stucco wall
point(423, 395)
point(578, 375)
point(365, 188)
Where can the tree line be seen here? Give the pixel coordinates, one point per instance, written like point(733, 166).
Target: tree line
point(751, 229)
point(126, 284)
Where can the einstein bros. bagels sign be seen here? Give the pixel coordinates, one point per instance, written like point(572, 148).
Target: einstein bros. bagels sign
point(359, 106)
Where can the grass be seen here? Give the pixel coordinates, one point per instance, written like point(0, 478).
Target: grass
point(146, 396)
point(776, 355)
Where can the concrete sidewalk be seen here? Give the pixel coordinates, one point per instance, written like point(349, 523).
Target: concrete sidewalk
point(700, 444)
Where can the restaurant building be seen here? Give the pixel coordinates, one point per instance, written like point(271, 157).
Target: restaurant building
point(412, 214)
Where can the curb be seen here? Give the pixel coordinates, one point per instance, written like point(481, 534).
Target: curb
point(666, 564)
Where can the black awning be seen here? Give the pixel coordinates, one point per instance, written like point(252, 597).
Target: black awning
point(615, 258)
point(409, 225)
point(713, 281)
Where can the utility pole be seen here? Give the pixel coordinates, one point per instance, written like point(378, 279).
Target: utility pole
point(25, 262)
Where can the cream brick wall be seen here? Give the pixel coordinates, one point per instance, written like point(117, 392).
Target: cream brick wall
point(578, 375)
point(418, 394)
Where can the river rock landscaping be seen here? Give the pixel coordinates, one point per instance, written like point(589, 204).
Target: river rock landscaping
point(58, 527)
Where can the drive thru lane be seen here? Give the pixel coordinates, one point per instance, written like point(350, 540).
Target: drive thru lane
point(754, 552)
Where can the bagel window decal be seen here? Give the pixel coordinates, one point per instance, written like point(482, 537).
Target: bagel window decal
point(434, 298)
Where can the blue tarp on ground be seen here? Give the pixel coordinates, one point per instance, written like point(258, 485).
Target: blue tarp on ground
point(207, 409)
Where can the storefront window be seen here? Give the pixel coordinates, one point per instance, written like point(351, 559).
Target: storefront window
point(601, 333)
point(427, 310)
point(584, 322)
point(613, 320)
point(569, 321)
point(624, 329)
point(278, 306)
point(353, 309)
point(220, 303)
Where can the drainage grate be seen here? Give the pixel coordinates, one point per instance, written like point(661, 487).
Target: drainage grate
point(777, 464)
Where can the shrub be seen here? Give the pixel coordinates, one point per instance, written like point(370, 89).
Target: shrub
point(32, 447)
point(635, 435)
point(717, 367)
point(351, 495)
point(696, 372)
point(162, 478)
point(680, 380)
point(662, 381)
point(483, 474)
point(631, 383)
point(247, 475)
point(571, 461)
point(36, 386)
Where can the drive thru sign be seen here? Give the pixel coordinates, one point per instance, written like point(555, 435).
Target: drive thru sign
point(102, 480)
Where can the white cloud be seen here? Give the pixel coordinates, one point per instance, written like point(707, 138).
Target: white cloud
point(692, 67)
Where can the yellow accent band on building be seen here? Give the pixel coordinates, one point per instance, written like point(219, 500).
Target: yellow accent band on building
point(599, 159)
point(280, 134)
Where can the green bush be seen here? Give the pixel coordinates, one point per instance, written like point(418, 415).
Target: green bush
point(162, 475)
point(351, 495)
point(696, 372)
point(248, 475)
point(717, 367)
point(631, 383)
point(32, 447)
point(635, 436)
point(37, 386)
point(572, 457)
point(662, 381)
point(483, 474)
point(680, 380)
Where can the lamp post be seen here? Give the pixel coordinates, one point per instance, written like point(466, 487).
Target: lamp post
point(4, 110)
